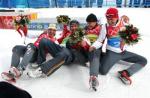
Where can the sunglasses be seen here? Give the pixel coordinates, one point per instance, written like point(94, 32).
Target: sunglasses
point(111, 16)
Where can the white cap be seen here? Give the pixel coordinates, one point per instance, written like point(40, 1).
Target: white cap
point(52, 26)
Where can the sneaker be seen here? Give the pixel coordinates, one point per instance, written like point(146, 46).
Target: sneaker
point(124, 77)
point(93, 81)
point(35, 73)
point(8, 76)
point(16, 72)
point(34, 65)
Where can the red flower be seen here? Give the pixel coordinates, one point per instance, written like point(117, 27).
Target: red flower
point(134, 36)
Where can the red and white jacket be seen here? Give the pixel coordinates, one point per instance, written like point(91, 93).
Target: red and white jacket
point(95, 31)
point(114, 42)
point(64, 34)
point(44, 35)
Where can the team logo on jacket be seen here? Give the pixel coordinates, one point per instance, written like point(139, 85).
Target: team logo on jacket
point(114, 42)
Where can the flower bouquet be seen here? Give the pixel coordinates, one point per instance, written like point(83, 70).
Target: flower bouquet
point(21, 20)
point(129, 34)
point(76, 37)
point(63, 19)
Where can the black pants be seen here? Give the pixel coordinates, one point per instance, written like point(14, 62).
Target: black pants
point(61, 55)
point(81, 56)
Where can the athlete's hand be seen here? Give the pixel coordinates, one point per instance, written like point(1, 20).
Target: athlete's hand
point(125, 19)
point(91, 48)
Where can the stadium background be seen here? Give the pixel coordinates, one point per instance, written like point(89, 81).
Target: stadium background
point(72, 3)
point(40, 23)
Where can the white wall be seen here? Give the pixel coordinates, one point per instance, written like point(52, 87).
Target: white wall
point(138, 16)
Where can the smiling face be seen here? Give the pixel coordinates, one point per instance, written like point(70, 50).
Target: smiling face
point(73, 27)
point(112, 16)
point(112, 21)
point(51, 32)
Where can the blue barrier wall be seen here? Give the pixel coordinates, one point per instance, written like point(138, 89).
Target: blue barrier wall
point(24, 3)
point(38, 3)
point(4, 3)
point(71, 3)
point(119, 3)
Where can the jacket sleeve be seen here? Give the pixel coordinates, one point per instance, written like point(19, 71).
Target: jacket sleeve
point(36, 43)
point(64, 34)
point(98, 43)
